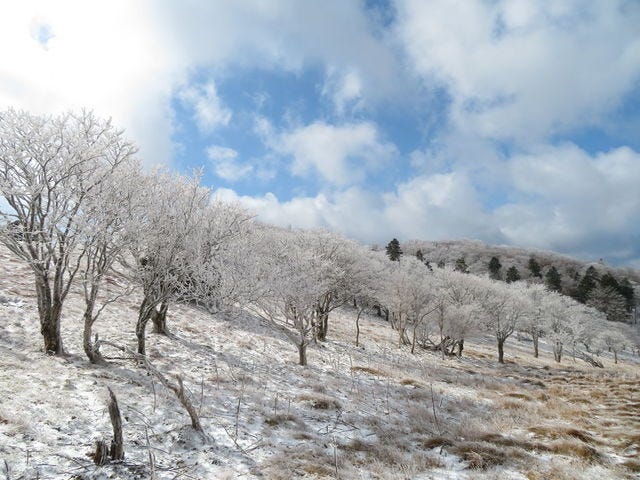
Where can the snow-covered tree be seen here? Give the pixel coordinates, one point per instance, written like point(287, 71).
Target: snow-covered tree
point(559, 323)
point(407, 294)
point(533, 322)
point(346, 277)
point(289, 280)
point(48, 168)
point(110, 225)
point(163, 261)
point(615, 341)
point(503, 307)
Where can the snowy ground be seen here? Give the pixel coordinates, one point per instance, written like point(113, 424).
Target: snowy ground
point(363, 413)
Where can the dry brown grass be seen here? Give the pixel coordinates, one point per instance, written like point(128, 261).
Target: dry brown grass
point(435, 442)
point(370, 370)
point(320, 401)
point(484, 455)
point(284, 420)
point(519, 395)
point(411, 381)
point(555, 432)
point(575, 448)
point(632, 464)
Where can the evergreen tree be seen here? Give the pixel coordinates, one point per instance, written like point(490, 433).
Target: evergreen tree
point(610, 302)
point(394, 252)
point(512, 274)
point(586, 284)
point(626, 290)
point(420, 255)
point(494, 268)
point(440, 264)
point(553, 280)
point(461, 265)
point(534, 268)
point(609, 281)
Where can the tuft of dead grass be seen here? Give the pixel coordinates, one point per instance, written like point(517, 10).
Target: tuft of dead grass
point(370, 370)
point(556, 432)
point(284, 420)
point(575, 448)
point(320, 401)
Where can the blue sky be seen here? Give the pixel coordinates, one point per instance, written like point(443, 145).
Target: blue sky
point(510, 121)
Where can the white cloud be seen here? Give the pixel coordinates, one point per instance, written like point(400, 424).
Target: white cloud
point(567, 199)
point(521, 70)
point(68, 55)
point(561, 199)
point(436, 206)
point(340, 154)
point(209, 112)
point(127, 59)
point(345, 90)
point(225, 164)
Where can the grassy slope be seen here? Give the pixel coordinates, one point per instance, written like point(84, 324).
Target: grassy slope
point(370, 412)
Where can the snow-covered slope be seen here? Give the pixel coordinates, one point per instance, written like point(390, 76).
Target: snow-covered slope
point(373, 411)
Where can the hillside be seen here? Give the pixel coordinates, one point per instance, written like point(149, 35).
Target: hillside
point(477, 255)
point(374, 411)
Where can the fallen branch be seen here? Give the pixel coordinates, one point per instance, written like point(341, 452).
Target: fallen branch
point(178, 389)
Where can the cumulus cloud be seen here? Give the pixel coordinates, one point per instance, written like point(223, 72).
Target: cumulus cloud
point(561, 199)
point(432, 206)
point(522, 70)
point(127, 61)
point(569, 200)
point(340, 154)
point(225, 163)
point(344, 89)
point(518, 74)
point(208, 110)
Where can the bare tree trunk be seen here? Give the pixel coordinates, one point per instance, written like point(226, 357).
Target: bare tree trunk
point(615, 356)
point(90, 349)
point(117, 445)
point(159, 318)
point(557, 352)
point(358, 328)
point(186, 403)
point(102, 453)
point(144, 315)
point(500, 350)
point(323, 325)
point(460, 347)
point(49, 311)
point(535, 345)
point(413, 340)
point(302, 354)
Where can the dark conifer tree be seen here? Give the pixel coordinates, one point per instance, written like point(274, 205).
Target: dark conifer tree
point(461, 265)
point(534, 268)
point(553, 280)
point(626, 290)
point(512, 274)
point(494, 268)
point(394, 252)
point(586, 285)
